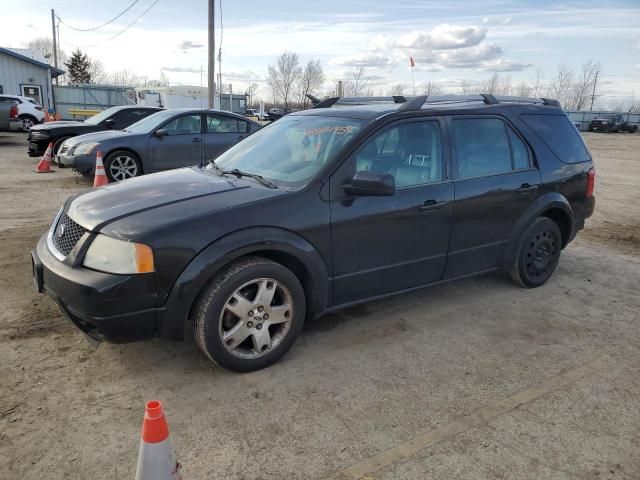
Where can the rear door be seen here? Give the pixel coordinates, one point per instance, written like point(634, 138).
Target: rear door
point(495, 179)
point(181, 146)
point(221, 132)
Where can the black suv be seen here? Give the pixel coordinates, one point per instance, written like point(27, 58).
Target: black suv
point(352, 200)
point(114, 118)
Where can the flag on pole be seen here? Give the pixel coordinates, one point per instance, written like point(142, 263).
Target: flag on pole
point(413, 64)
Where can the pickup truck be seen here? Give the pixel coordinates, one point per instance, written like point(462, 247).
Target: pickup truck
point(9, 117)
point(611, 123)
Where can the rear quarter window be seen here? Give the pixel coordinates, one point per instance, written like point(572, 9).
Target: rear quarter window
point(560, 135)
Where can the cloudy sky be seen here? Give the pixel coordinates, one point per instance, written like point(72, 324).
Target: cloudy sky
point(450, 40)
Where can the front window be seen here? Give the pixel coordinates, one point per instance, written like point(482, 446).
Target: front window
point(150, 123)
point(103, 115)
point(292, 150)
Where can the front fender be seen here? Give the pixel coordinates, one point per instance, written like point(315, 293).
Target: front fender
point(543, 203)
point(220, 253)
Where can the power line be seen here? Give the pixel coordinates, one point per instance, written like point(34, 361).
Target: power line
point(100, 26)
point(125, 28)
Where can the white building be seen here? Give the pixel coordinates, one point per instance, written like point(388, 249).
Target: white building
point(24, 72)
point(187, 96)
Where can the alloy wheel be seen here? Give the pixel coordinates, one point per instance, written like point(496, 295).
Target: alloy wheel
point(27, 123)
point(256, 318)
point(123, 167)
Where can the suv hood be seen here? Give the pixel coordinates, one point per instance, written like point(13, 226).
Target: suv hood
point(96, 137)
point(146, 194)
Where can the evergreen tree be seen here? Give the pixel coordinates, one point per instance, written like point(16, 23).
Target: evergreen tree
point(78, 68)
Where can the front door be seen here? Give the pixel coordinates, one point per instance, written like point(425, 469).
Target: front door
point(221, 132)
point(180, 146)
point(32, 91)
point(495, 180)
point(387, 244)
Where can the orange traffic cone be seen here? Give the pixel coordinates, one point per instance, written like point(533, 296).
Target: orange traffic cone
point(100, 178)
point(157, 457)
point(44, 165)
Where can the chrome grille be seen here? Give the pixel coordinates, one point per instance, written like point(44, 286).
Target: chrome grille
point(67, 234)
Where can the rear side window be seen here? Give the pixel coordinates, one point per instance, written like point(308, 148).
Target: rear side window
point(482, 147)
point(560, 136)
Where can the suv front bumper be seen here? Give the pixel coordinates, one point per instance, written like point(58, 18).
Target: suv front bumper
point(109, 307)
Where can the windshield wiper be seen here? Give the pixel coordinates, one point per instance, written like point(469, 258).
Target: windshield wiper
point(215, 165)
point(240, 173)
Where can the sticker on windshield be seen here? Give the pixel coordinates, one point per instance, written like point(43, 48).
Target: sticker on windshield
point(338, 130)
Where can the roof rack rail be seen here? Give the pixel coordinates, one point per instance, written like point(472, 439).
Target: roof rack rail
point(416, 103)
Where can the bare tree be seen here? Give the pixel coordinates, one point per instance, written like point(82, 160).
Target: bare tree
point(583, 87)
point(497, 84)
point(398, 89)
point(311, 80)
point(358, 84)
point(467, 88)
point(561, 83)
point(523, 89)
point(44, 46)
point(284, 75)
point(537, 85)
point(431, 89)
point(97, 72)
point(251, 93)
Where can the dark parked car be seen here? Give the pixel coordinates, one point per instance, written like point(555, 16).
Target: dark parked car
point(168, 139)
point(322, 209)
point(114, 118)
point(611, 124)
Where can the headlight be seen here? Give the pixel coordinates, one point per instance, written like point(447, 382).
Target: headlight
point(84, 148)
point(35, 134)
point(110, 255)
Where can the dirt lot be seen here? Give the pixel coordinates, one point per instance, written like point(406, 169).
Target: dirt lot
point(475, 380)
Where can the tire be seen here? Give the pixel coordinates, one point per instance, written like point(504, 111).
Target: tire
point(28, 121)
point(122, 165)
point(538, 253)
point(56, 147)
point(246, 343)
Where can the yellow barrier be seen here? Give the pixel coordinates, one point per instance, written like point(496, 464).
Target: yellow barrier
point(85, 113)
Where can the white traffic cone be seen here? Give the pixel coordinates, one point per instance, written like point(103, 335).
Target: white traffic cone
point(157, 459)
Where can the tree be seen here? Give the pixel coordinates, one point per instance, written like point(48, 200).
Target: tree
point(497, 84)
point(537, 85)
point(523, 89)
point(560, 84)
point(251, 91)
point(311, 80)
point(431, 89)
point(284, 75)
point(398, 89)
point(585, 85)
point(44, 46)
point(78, 68)
point(97, 73)
point(467, 88)
point(358, 84)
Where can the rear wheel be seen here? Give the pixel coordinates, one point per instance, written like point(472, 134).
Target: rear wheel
point(538, 254)
point(27, 122)
point(250, 315)
point(121, 165)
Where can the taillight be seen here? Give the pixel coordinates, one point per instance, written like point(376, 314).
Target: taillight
point(591, 182)
point(13, 111)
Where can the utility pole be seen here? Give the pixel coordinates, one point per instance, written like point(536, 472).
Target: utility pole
point(212, 55)
point(593, 94)
point(55, 42)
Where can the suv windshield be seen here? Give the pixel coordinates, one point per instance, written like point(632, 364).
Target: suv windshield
point(292, 150)
point(146, 125)
point(103, 115)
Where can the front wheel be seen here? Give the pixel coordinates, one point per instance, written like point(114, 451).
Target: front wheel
point(250, 315)
point(121, 165)
point(538, 254)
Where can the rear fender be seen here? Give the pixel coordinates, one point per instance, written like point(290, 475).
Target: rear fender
point(542, 204)
point(204, 267)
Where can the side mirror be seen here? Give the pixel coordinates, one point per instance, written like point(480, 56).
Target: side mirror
point(370, 184)
point(109, 123)
point(163, 132)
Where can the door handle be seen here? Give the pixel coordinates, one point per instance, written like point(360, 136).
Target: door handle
point(431, 205)
point(196, 140)
point(525, 188)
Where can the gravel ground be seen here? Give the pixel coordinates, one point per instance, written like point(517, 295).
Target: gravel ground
point(473, 380)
